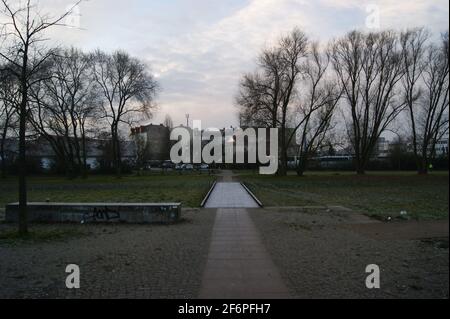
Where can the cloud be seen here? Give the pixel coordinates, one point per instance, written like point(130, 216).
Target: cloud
point(199, 49)
point(211, 60)
point(217, 55)
point(399, 14)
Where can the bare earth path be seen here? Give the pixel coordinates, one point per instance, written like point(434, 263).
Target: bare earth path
point(238, 264)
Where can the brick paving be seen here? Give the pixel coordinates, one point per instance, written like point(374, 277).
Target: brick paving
point(238, 264)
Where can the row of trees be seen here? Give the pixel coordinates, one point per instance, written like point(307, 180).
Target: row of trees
point(60, 94)
point(363, 84)
point(74, 96)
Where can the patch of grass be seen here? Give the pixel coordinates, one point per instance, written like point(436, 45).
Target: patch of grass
point(440, 243)
point(298, 227)
point(187, 189)
point(39, 235)
point(377, 194)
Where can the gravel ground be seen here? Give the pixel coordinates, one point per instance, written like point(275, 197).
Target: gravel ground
point(116, 261)
point(319, 256)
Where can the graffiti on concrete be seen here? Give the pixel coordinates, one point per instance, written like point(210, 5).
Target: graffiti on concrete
point(105, 214)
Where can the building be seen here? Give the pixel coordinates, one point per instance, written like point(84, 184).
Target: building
point(41, 152)
point(153, 142)
point(382, 148)
point(441, 147)
point(155, 139)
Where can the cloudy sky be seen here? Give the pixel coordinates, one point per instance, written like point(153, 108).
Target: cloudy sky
point(198, 49)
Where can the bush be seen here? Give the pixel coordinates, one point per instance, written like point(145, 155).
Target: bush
point(33, 166)
point(441, 163)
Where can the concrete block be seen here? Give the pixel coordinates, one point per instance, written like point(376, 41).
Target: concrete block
point(136, 213)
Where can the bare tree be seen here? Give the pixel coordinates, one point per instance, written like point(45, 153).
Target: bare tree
point(62, 105)
point(431, 119)
point(267, 96)
point(413, 44)
point(128, 90)
point(316, 108)
point(8, 112)
point(23, 50)
point(257, 102)
point(369, 69)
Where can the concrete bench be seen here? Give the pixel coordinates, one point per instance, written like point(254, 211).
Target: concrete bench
point(97, 212)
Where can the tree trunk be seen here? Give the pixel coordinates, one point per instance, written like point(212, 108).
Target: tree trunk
point(423, 171)
point(360, 167)
point(2, 155)
point(423, 166)
point(362, 158)
point(301, 170)
point(283, 167)
point(83, 146)
point(301, 166)
point(118, 158)
point(424, 160)
point(116, 151)
point(23, 214)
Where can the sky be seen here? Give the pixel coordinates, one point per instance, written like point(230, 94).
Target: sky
point(199, 49)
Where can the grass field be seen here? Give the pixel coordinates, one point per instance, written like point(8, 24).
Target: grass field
point(187, 189)
point(378, 194)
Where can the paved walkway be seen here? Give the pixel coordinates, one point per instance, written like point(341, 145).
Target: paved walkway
point(238, 264)
point(230, 195)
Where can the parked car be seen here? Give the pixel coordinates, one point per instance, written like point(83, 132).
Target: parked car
point(179, 167)
point(188, 167)
point(168, 165)
point(204, 167)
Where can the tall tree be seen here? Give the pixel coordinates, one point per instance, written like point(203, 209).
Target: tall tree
point(369, 68)
point(128, 90)
point(317, 105)
point(23, 50)
point(414, 42)
point(432, 114)
point(8, 112)
point(62, 105)
point(267, 96)
point(258, 100)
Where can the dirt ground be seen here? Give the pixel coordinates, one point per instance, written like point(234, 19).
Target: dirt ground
point(324, 254)
point(320, 253)
point(406, 230)
point(116, 261)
